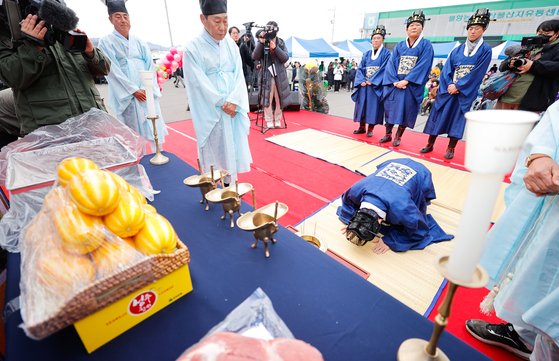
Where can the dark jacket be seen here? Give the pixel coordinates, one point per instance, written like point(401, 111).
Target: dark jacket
point(279, 57)
point(52, 85)
point(543, 90)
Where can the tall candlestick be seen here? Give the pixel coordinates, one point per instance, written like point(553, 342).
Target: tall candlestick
point(147, 80)
point(494, 139)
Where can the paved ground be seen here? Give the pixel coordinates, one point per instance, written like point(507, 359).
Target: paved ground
point(174, 104)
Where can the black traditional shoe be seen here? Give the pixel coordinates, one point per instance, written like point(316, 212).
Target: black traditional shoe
point(386, 138)
point(427, 149)
point(396, 141)
point(449, 153)
point(369, 133)
point(502, 335)
point(361, 130)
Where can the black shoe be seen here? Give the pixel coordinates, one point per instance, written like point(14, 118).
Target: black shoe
point(361, 130)
point(502, 335)
point(427, 149)
point(396, 142)
point(387, 138)
point(449, 153)
point(369, 133)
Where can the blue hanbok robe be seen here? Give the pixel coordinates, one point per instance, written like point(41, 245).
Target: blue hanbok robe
point(401, 189)
point(214, 75)
point(368, 99)
point(466, 72)
point(129, 57)
point(401, 106)
point(525, 242)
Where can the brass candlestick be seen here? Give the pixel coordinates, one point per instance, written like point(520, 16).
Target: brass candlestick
point(415, 349)
point(158, 158)
point(230, 199)
point(263, 223)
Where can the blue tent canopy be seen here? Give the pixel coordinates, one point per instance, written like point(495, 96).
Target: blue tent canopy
point(362, 44)
point(314, 48)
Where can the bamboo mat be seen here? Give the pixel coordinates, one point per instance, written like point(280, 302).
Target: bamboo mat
point(451, 184)
point(331, 148)
point(411, 277)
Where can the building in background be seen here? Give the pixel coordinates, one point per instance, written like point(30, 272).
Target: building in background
point(513, 20)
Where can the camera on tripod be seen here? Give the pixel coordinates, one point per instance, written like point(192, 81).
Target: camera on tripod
point(269, 31)
point(527, 45)
point(59, 21)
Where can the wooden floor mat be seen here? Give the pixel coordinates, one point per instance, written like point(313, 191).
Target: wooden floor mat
point(451, 184)
point(411, 277)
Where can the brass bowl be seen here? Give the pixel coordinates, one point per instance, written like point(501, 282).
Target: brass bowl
point(261, 217)
point(201, 179)
point(312, 240)
point(220, 195)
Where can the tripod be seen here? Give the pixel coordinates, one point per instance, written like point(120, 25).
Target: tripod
point(260, 115)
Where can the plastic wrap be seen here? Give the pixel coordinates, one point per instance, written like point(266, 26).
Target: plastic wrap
point(63, 253)
point(252, 331)
point(28, 165)
point(255, 315)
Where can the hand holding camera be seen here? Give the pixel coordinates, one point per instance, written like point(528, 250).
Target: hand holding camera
point(32, 28)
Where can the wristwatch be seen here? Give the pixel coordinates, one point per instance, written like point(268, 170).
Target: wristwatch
point(533, 157)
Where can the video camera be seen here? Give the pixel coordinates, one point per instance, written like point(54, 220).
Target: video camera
point(528, 44)
point(60, 22)
point(270, 31)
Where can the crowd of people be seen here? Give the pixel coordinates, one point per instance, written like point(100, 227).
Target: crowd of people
point(49, 84)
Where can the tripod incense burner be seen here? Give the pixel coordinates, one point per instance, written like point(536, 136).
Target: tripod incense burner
point(206, 182)
point(263, 223)
point(230, 199)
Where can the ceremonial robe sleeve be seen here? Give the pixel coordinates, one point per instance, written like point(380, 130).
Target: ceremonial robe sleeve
point(201, 88)
point(468, 85)
point(391, 73)
point(122, 87)
point(384, 58)
point(418, 75)
point(544, 138)
point(360, 74)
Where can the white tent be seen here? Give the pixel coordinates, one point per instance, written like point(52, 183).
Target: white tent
point(349, 49)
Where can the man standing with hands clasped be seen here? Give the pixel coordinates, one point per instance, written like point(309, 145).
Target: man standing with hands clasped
point(217, 92)
point(460, 79)
point(405, 77)
point(129, 56)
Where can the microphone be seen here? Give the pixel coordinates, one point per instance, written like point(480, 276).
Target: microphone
point(57, 14)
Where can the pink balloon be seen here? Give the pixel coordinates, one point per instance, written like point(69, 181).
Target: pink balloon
point(173, 51)
point(174, 65)
point(167, 63)
point(176, 57)
point(160, 73)
point(169, 57)
point(169, 71)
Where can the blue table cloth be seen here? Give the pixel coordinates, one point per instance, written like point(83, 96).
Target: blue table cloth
point(321, 301)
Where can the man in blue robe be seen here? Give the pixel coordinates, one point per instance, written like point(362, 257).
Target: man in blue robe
point(522, 251)
point(460, 79)
point(129, 56)
point(405, 77)
point(368, 84)
point(392, 204)
point(217, 92)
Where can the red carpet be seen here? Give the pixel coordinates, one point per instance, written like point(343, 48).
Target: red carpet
point(306, 184)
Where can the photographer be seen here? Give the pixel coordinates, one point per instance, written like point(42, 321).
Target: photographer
point(246, 48)
point(273, 54)
point(537, 66)
point(50, 84)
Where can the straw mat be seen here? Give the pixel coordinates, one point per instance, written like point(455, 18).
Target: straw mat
point(451, 184)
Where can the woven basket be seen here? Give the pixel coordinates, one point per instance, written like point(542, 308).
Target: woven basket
point(110, 289)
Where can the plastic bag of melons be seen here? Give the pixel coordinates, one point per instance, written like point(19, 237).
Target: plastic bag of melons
point(92, 225)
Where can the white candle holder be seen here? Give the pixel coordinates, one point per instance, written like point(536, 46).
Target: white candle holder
point(495, 138)
point(148, 82)
point(158, 158)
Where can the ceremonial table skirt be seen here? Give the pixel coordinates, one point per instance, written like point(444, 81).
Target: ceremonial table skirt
point(320, 300)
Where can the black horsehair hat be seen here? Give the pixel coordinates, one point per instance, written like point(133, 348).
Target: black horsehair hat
point(212, 7)
point(416, 17)
point(115, 6)
point(380, 30)
point(481, 17)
